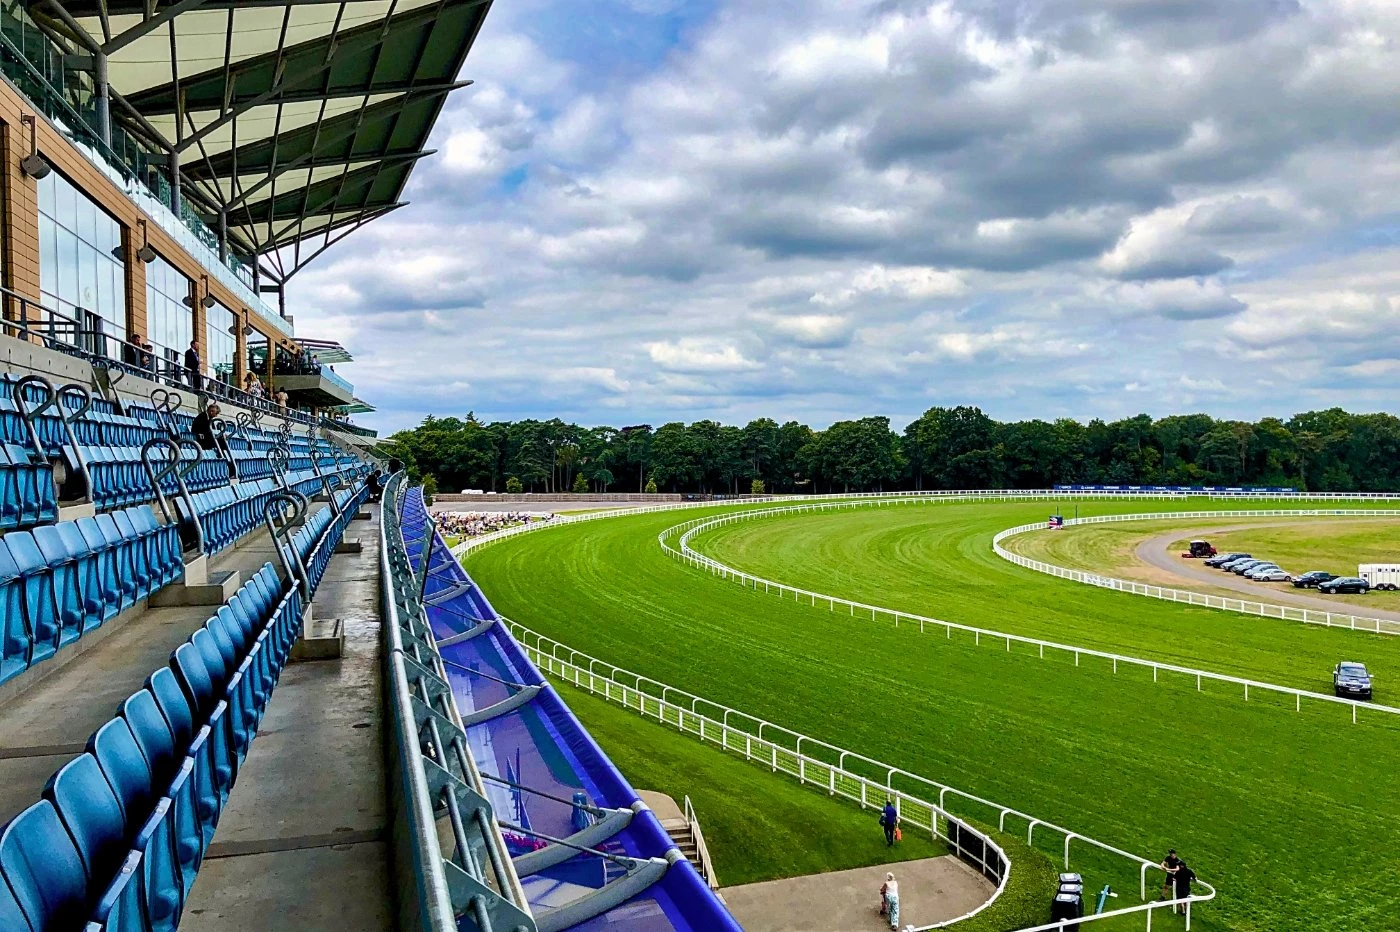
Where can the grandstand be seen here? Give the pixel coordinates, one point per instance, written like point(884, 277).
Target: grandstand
point(219, 708)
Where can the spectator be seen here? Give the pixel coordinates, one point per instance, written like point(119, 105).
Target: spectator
point(1171, 864)
point(192, 366)
point(282, 398)
point(475, 524)
point(889, 900)
point(1184, 875)
point(203, 428)
point(889, 818)
point(253, 385)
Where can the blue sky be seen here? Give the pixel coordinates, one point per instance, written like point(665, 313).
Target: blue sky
point(646, 210)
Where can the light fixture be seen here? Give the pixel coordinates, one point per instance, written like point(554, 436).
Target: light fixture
point(145, 253)
point(208, 299)
point(34, 165)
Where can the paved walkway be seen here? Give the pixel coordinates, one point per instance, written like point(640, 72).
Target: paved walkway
point(304, 842)
point(931, 890)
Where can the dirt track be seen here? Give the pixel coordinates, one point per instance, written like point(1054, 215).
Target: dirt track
point(1154, 552)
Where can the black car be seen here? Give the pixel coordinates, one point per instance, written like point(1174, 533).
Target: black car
point(1343, 584)
point(1224, 558)
point(1312, 578)
point(1351, 681)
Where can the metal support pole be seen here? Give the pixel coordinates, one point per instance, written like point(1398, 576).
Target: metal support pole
point(223, 235)
point(175, 181)
point(102, 99)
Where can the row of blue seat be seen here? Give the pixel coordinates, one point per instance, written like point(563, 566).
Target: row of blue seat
point(27, 494)
point(121, 831)
point(61, 581)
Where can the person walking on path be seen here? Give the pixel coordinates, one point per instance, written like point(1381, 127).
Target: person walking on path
point(889, 900)
point(1171, 864)
point(889, 819)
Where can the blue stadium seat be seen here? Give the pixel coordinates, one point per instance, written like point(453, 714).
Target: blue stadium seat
point(152, 733)
point(125, 768)
point(38, 602)
point(43, 869)
point(14, 637)
point(90, 812)
point(54, 544)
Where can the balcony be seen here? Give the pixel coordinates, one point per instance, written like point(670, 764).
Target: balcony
point(323, 389)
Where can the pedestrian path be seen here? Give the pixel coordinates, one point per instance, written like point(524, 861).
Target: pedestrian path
point(931, 890)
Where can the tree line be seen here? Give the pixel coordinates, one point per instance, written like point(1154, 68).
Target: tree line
point(946, 448)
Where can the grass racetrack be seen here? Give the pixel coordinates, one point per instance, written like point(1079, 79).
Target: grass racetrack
point(1290, 814)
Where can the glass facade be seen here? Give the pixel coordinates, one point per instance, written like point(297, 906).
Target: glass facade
point(81, 273)
point(220, 342)
point(169, 321)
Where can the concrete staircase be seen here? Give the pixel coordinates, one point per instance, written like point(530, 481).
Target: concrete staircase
point(679, 830)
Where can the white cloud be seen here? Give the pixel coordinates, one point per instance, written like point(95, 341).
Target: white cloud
point(693, 354)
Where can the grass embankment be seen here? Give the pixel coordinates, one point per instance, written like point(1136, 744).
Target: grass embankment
point(763, 826)
point(1250, 792)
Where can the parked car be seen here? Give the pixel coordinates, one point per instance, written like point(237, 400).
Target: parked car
point(1259, 568)
point(1199, 548)
point(1343, 584)
point(1230, 566)
point(1222, 559)
point(1241, 567)
point(1273, 575)
point(1312, 578)
point(1350, 680)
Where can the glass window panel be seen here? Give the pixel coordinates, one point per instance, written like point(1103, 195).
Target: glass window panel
point(87, 276)
point(67, 265)
point(48, 254)
point(47, 193)
point(87, 220)
point(66, 203)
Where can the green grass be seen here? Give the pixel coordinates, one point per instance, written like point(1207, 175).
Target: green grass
point(763, 826)
point(1289, 814)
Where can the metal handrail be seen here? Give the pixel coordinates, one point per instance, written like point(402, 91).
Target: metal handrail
point(436, 775)
point(702, 850)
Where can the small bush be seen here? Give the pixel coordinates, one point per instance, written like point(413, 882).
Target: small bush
point(514, 486)
point(757, 487)
point(580, 484)
point(651, 486)
point(429, 488)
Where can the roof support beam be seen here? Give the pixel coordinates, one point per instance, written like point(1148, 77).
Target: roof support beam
point(149, 25)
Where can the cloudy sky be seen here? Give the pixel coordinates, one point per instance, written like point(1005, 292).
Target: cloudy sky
point(648, 210)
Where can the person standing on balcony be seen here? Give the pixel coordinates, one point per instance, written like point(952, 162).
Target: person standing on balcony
point(192, 366)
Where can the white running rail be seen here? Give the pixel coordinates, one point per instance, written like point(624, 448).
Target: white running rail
point(744, 734)
point(1245, 606)
point(686, 553)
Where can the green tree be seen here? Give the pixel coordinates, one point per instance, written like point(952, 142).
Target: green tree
point(580, 484)
point(651, 487)
point(514, 486)
point(430, 488)
point(756, 487)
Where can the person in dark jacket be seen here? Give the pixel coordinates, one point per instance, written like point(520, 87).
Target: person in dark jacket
point(203, 428)
point(1183, 877)
point(192, 366)
point(889, 819)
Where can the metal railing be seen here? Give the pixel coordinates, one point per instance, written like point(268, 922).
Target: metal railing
point(686, 553)
point(433, 776)
point(1244, 606)
point(742, 733)
point(702, 850)
point(30, 320)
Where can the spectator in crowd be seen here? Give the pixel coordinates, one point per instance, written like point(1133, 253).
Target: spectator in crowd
point(282, 398)
point(889, 819)
point(889, 900)
point(253, 385)
point(1171, 864)
point(192, 366)
point(203, 428)
point(475, 524)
